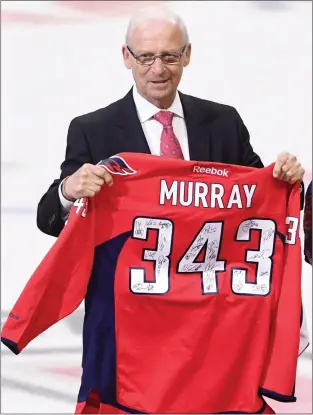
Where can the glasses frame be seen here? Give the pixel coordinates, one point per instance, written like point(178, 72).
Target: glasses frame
point(157, 55)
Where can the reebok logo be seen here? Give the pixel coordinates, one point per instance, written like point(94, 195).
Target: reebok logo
point(211, 170)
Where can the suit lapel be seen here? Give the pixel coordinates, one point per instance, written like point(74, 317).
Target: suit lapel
point(198, 128)
point(130, 132)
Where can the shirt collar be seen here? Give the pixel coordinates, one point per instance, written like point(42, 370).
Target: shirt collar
point(146, 110)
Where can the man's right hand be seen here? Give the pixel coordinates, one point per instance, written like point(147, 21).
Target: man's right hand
point(85, 182)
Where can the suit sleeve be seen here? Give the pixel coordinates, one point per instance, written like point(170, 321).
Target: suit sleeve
point(49, 210)
point(281, 366)
point(58, 285)
point(248, 156)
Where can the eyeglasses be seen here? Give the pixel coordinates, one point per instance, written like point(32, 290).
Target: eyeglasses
point(148, 59)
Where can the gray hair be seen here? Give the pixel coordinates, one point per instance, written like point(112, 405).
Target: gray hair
point(156, 14)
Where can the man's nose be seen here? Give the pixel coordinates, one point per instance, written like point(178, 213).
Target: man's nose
point(158, 66)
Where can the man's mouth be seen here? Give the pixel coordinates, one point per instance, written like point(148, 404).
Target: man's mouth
point(160, 82)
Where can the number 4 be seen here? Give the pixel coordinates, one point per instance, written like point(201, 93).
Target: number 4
point(209, 237)
point(81, 204)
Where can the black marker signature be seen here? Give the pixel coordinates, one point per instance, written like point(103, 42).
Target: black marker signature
point(248, 225)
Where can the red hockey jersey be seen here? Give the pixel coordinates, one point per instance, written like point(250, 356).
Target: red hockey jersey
point(191, 275)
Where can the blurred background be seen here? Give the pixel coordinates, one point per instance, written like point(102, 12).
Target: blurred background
point(60, 59)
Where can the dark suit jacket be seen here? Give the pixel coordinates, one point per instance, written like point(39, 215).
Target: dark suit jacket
point(215, 133)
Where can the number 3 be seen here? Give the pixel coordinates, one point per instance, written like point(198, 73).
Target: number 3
point(292, 230)
point(160, 256)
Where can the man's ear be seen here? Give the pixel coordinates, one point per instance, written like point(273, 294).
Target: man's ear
point(126, 57)
point(187, 55)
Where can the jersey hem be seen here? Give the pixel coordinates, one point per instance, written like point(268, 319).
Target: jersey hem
point(129, 410)
point(277, 396)
point(11, 345)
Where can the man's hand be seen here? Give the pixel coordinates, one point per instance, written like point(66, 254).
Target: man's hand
point(288, 168)
point(85, 182)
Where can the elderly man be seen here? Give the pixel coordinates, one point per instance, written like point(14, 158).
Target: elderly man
point(157, 50)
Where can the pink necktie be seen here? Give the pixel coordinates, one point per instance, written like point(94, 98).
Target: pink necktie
point(170, 146)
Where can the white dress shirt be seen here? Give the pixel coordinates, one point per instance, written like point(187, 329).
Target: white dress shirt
point(152, 130)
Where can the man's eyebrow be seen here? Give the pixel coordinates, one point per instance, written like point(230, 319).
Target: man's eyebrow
point(145, 51)
point(178, 49)
point(142, 51)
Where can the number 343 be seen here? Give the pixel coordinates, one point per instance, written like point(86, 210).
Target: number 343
point(209, 239)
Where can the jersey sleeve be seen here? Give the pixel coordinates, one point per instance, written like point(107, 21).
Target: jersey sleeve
point(58, 285)
point(281, 366)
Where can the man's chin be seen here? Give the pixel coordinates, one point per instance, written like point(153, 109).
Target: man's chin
point(158, 93)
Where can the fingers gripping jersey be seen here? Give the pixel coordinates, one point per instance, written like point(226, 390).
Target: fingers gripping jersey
point(191, 275)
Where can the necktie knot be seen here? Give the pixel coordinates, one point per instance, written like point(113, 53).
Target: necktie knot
point(164, 117)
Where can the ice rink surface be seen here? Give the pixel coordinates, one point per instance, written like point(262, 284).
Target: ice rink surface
point(62, 59)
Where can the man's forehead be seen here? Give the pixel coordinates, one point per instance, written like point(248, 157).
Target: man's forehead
point(157, 36)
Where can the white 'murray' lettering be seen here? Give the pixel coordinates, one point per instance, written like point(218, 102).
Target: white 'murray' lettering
point(186, 193)
point(166, 193)
point(217, 192)
point(249, 193)
point(199, 194)
point(201, 191)
point(235, 198)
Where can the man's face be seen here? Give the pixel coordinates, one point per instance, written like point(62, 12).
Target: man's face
point(157, 83)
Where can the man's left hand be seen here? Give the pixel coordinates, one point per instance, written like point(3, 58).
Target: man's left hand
point(288, 168)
